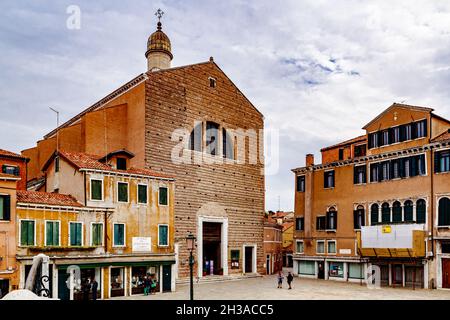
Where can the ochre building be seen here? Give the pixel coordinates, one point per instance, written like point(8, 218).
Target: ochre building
point(379, 203)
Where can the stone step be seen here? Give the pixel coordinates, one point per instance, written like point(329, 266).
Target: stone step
point(211, 279)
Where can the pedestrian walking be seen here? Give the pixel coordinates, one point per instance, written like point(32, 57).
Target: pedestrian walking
point(153, 286)
point(290, 278)
point(94, 288)
point(280, 280)
point(86, 290)
point(147, 285)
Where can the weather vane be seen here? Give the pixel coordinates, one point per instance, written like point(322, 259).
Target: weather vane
point(159, 13)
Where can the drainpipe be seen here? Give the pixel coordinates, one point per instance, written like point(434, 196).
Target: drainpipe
point(106, 232)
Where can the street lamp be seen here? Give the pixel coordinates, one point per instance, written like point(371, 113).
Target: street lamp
point(190, 241)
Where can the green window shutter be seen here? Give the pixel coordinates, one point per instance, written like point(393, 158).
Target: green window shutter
point(96, 189)
point(30, 233)
point(122, 192)
point(163, 196)
point(142, 194)
point(97, 233)
point(23, 233)
point(76, 234)
point(2, 208)
point(52, 233)
point(49, 233)
point(163, 235)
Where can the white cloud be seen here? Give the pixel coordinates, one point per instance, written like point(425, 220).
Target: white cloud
point(318, 70)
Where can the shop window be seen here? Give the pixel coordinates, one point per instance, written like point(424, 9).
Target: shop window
point(444, 212)
point(300, 183)
point(76, 234)
point(97, 234)
point(320, 247)
point(421, 208)
point(358, 217)
point(356, 271)
point(307, 267)
point(138, 276)
point(52, 233)
point(299, 247)
point(397, 212)
point(408, 209)
point(328, 181)
point(163, 196)
point(385, 213)
point(117, 282)
point(122, 192)
point(235, 257)
point(374, 212)
point(5, 207)
point(331, 247)
point(142, 194)
point(336, 269)
point(27, 233)
point(321, 223)
point(96, 189)
point(119, 234)
point(300, 224)
point(163, 235)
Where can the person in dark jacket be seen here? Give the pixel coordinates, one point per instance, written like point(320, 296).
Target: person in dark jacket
point(94, 288)
point(86, 290)
point(147, 285)
point(289, 279)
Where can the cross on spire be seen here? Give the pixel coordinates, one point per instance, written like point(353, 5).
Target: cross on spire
point(159, 13)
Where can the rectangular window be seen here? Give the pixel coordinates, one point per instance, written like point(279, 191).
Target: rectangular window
point(341, 154)
point(299, 247)
point(406, 168)
point(373, 140)
point(395, 171)
point(52, 233)
point(385, 171)
point(360, 150)
point(442, 161)
point(331, 247)
point(331, 223)
point(300, 183)
point(356, 271)
point(395, 134)
point(307, 267)
point(374, 172)
point(56, 164)
point(359, 175)
point(119, 234)
point(320, 247)
point(321, 223)
point(408, 132)
point(300, 224)
point(96, 189)
point(385, 137)
point(27, 233)
point(336, 269)
point(163, 196)
point(212, 138)
point(142, 193)
point(12, 170)
point(76, 234)
point(97, 234)
point(421, 128)
point(328, 179)
point(122, 192)
point(5, 208)
point(121, 163)
point(228, 148)
point(163, 235)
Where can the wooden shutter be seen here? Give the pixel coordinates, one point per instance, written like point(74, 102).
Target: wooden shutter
point(413, 166)
point(6, 208)
point(355, 175)
point(402, 133)
point(370, 142)
point(414, 128)
point(437, 160)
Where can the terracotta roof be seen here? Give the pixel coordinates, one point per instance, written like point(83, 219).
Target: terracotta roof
point(347, 142)
point(443, 136)
point(87, 161)
point(9, 154)
point(54, 199)
point(287, 225)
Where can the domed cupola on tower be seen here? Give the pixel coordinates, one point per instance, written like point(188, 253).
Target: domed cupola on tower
point(159, 50)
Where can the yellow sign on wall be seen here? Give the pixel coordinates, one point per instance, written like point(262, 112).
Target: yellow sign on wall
point(386, 229)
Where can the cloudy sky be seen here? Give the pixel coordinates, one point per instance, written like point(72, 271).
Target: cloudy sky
point(318, 70)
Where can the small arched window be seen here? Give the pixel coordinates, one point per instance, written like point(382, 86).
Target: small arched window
point(444, 212)
point(421, 209)
point(332, 219)
point(385, 212)
point(408, 211)
point(358, 218)
point(397, 212)
point(212, 138)
point(196, 137)
point(374, 214)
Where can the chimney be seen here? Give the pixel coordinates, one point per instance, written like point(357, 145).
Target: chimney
point(309, 160)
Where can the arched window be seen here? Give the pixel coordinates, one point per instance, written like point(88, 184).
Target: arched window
point(385, 212)
point(227, 144)
point(408, 210)
point(212, 138)
point(358, 217)
point(374, 214)
point(332, 219)
point(397, 212)
point(444, 212)
point(195, 139)
point(421, 209)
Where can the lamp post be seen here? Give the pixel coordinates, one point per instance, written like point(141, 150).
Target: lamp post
point(190, 241)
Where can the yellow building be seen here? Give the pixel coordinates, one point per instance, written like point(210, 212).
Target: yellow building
point(381, 200)
point(113, 222)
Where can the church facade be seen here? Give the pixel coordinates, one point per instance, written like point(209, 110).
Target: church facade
point(194, 124)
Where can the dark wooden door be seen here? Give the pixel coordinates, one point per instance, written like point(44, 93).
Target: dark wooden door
point(248, 259)
point(446, 273)
point(167, 278)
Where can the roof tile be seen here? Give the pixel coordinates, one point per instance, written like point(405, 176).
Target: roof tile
point(55, 199)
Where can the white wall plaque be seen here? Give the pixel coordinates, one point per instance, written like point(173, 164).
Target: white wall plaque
point(142, 244)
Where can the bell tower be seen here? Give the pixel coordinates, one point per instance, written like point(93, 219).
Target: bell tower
point(159, 50)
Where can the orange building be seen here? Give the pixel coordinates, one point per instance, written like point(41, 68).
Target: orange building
point(14, 164)
point(381, 200)
point(273, 245)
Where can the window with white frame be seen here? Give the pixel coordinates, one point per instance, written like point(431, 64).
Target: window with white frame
point(142, 194)
point(119, 235)
point(97, 234)
point(96, 189)
point(163, 196)
point(27, 232)
point(320, 246)
point(299, 246)
point(76, 234)
point(331, 246)
point(52, 233)
point(122, 191)
point(163, 235)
